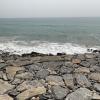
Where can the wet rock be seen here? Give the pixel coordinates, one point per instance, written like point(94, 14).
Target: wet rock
point(82, 80)
point(80, 94)
point(59, 92)
point(76, 61)
point(95, 76)
point(25, 76)
point(5, 97)
point(5, 86)
point(97, 87)
point(69, 80)
point(55, 80)
point(11, 71)
point(82, 70)
point(34, 91)
point(42, 73)
point(85, 64)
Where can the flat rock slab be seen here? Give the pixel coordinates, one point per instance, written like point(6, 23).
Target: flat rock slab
point(5, 86)
point(31, 92)
point(95, 76)
point(59, 92)
point(5, 97)
point(54, 80)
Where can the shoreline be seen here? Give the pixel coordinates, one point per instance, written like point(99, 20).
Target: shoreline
point(37, 76)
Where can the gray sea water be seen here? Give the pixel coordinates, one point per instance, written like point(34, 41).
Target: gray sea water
point(49, 35)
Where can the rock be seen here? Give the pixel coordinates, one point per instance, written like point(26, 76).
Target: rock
point(82, 80)
point(90, 56)
point(81, 57)
point(3, 76)
point(97, 87)
point(69, 81)
point(2, 61)
point(51, 58)
point(5, 86)
point(59, 92)
point(76, 61)
point(95, 76)
point(33, 67)
point(82, 70)
point(68, 64)
point(52, 65)
point(66, 70)
point(92, 61)
point(5, 97)
point(95, 96)
point(11, 71)
point(16, 81)
point(80, 94)
point(85, 64)
point(68, 57)
point(95, 68)
point(34, 91)
point(42, 74)
point(35, 98)
point(55, 80)
point(25, 76)
point(2, 65)
point(28, 85)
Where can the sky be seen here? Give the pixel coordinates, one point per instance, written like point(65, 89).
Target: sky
point(49, 8)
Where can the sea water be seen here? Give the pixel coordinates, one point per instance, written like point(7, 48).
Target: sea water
point(49, 35)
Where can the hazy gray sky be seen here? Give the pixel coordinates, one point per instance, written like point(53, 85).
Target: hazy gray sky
point(49, 8)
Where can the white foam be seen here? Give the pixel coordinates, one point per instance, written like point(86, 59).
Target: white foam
point(21, 47)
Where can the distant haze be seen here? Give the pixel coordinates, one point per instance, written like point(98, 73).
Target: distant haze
point(49, 8)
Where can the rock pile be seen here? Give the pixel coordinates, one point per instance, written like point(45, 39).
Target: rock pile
point(48, 77)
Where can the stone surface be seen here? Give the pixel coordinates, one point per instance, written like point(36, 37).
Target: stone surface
point(31, 92)
point(89, 56)
point(69, 81)
point(97, 86)
point(80, 94)
point(5, 97)
point(2, 65)
point(59, 92)
point(55, 80)
point(25, 76)
point(82, 80)
point(76, 61)
point(85, 64)
point(5, 86)
point(42, 73)
point(11, 71)
point(95, 76)
point(82, 70)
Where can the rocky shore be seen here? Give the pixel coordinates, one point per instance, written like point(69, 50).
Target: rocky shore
point(47, 77)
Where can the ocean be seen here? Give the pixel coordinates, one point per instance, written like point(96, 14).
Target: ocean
point(49, 35)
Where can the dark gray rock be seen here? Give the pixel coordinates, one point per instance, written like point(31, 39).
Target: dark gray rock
point(85, 64)
point(59, 92)
point(82, 80)
point(42, 74)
